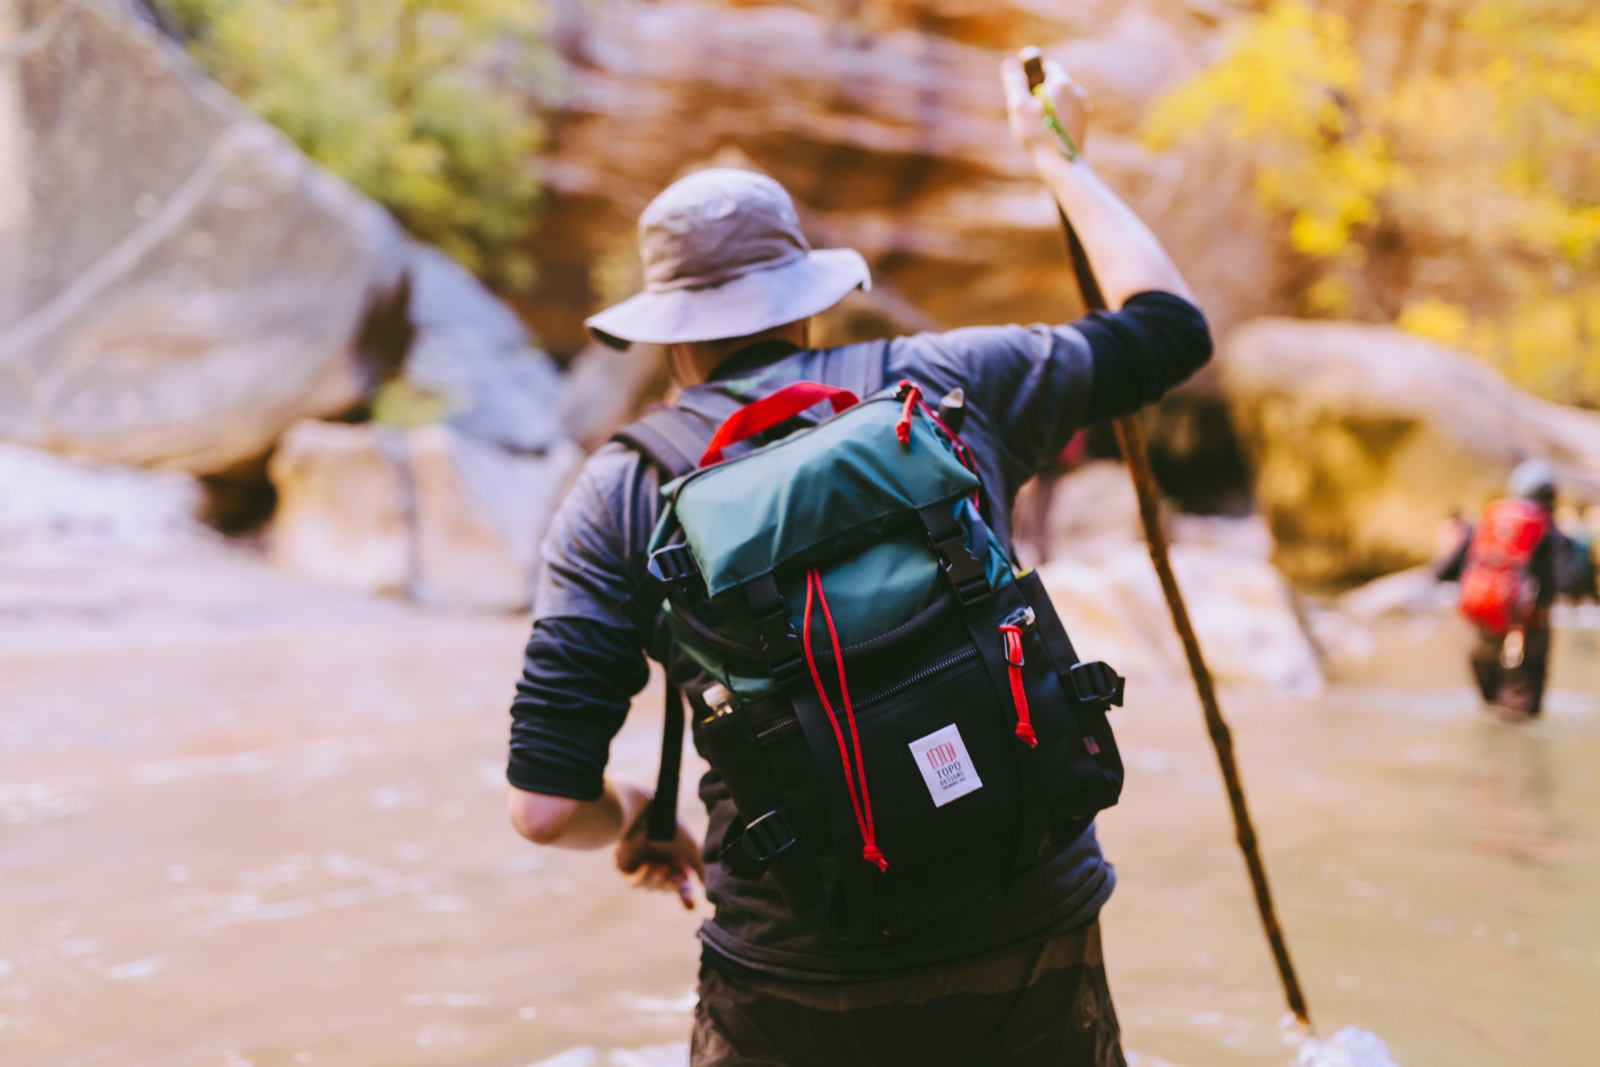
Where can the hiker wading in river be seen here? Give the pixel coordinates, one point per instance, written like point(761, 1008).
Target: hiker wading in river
point(841, 933)
point(1512, 564)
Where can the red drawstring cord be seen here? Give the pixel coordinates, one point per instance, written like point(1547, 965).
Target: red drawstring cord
point(902, 429)
point(863, 803)
point(1019, 695)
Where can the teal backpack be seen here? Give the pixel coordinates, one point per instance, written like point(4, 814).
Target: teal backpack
point(897, 714)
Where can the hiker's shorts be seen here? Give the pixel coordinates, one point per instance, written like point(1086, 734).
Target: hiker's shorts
point(1045, 1005)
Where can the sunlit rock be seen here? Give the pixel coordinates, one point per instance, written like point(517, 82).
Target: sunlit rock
point(1241, 608)
point(481, 513)
point(1364, 439)
point(344, 507)
point(1104, 586)
point(177, 282)
point(425, 513)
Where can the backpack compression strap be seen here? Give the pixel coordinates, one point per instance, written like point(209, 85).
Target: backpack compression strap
point(672, 439)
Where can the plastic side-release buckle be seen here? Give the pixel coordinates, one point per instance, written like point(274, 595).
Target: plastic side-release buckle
point(1097, 683)
point(748, 852)
point(967, 575)
point(672, 564)
point(780, 645)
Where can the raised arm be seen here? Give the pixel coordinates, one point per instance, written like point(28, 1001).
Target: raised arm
point(1126, 256)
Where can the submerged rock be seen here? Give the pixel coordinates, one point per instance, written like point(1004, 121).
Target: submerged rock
point(425, 513)
point(1364, 439)
point(177, 282)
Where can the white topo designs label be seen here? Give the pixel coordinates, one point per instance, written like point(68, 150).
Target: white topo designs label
point(942, 758)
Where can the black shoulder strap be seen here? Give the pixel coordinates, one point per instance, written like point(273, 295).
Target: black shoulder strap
point(671, 438)
point(858, 368)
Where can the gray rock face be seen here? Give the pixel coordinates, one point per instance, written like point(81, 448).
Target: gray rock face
point(471, 348)
point(1364, 439)
point(177, 282)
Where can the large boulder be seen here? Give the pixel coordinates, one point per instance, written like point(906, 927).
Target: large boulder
point(177, 282)
point(426, 513)
point(1364, 439)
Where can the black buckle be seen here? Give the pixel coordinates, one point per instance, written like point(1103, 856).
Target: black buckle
point(672, 564)
point(1097, 683)
point(778, 638)
point(780, 645)
point(769, 835)
point(965, 573)
point(749, 851)
point(948, 539)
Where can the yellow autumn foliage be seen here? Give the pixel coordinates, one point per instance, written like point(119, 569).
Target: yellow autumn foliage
point(1465, 208)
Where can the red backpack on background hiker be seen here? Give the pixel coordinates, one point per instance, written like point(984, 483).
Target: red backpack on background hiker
point(1498, 590)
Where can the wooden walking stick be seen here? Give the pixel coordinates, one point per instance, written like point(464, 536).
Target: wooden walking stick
point(1130, 435)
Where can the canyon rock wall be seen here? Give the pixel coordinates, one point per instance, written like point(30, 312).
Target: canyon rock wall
point(886, 121)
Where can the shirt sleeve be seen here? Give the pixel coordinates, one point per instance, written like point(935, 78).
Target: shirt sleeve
point(1034, 387)
point(1155, 342)
point(578, 678)
point(585, 661)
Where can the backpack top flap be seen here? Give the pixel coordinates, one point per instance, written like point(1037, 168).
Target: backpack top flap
point(808, 493)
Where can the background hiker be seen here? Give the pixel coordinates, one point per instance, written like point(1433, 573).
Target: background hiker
point(1511, 566)
point(730, 285)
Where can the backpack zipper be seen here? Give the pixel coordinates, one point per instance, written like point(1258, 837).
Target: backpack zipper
point(789, 724)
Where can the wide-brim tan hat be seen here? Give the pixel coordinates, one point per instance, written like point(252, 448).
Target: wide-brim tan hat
point(724, 257)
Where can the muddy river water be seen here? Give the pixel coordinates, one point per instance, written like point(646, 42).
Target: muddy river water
point(267, 828)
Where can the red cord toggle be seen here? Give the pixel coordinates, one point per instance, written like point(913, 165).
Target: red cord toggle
point(1019, 695)
point(913, 395)
point(860, 802)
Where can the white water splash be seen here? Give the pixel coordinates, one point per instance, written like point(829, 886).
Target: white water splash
point(1350, 1047)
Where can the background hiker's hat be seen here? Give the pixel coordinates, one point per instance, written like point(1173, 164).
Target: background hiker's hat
point(724, 257)
point(1532, 478)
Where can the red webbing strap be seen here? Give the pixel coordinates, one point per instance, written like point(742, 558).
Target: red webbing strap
point(770, 410)
point(861, 802)
point(1019, 695)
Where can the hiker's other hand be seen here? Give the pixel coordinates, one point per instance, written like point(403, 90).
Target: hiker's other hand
point(662, 865)
point(1026, 112)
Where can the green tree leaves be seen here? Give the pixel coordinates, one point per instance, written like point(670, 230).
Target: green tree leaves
point(420, 104)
